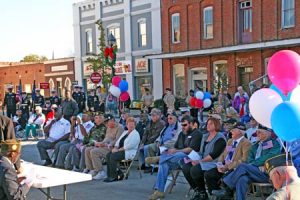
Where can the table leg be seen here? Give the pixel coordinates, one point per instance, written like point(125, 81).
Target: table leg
point(48, 194)
point(65, 192)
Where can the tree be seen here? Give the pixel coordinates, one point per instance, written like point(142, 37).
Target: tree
point(99, 62)
point(34, 58)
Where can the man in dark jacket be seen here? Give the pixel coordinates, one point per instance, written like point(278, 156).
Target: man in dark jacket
point(69, 106)
point(10, 188)
point(10, 101)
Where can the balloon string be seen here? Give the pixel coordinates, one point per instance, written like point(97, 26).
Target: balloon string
point(287, 178)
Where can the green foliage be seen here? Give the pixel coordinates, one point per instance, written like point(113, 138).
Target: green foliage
point(222, 79)
point(98, 62)
point(34, 58)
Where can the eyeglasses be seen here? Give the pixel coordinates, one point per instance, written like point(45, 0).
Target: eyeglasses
point(184, 125)
point(170, 118)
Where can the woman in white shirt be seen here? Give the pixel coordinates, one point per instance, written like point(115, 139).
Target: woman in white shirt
point(125, 148)
point(35, 121)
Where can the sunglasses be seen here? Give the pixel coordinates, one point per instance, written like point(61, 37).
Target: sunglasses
point(184, 125)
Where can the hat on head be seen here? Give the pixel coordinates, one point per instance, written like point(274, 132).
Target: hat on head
point(53, 90)
point(23, 92)
point(76, 86)
point(231, 121)
point(172, 114)
point(80, 87)
point(10, 86)
point(239, 125)
point(37, 89)
point(12, 145)
point(108, 117)
point(184, 109)
point(155, 111)
point(261, 127)
point(277, 161)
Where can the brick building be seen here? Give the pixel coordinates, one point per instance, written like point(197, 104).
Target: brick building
point(59, 73)
point(206, 42)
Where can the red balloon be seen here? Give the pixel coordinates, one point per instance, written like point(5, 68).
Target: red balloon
point(193, 101)
point(199, 103)
point(116, 80)
point(124, 96)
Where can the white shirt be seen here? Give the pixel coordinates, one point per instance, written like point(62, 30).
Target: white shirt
point(87, 126)
point(250, 132)
point(15, 119)
point(59, 129)
point(39, 121)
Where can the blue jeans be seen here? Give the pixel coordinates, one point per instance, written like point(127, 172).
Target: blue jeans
point(144, 153)
point(242, 177)
point(166, 163)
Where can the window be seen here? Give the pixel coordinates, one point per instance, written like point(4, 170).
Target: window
point(179, 80)
point(142, 33)
point(89, 41)
point(116, 32)
point(246, 11)
point(208, 22)
point(288, 13)
point(175, 28)
point(221, 78)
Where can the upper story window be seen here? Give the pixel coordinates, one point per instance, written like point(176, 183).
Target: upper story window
point(246, 16)
point(89, 41)
point(208, 23)
point(175, 28)
point(115, 30)
point(288, 13)
point(142, 29)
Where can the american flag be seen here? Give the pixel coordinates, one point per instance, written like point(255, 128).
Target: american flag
point(267, 145)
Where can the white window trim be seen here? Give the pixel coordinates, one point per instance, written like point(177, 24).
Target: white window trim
point(175, 15)
point(86, 42)
point(282, 16)
point(204, 24)
point(114, 25)
point(142, 20)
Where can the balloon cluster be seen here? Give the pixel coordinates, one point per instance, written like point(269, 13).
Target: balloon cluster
point(201, 100)
point(119, 88)
point(278, 107)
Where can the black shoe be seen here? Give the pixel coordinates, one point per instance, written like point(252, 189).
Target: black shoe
point(109, 179)
point(47, 163)
point(142, 167)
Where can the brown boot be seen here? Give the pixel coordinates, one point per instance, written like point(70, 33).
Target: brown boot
point(157, 195)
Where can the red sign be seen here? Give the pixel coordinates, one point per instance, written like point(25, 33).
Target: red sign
point(96, 77)
point(44, 85)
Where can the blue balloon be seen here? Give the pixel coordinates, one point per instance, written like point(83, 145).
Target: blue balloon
point(276, 89)
point(207, 95)
point(123, 85)
point(285, 121)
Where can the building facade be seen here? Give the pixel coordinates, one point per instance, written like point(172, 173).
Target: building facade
point(136, 25)
point(209, 44)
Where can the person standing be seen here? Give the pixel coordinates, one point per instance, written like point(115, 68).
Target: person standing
point(79, 97)
point(169, 100)
point(102, 98)
point(93, 102)
point(39, 99)
point(10, 101)
point(25, 105)
point(147, 100)
point(69, 106)
point(10, 187)
point(54, 99)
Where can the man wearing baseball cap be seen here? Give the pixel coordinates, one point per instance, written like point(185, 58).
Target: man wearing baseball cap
point(10, 188)
point(282, 173)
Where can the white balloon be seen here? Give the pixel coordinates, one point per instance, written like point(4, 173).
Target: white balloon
point(295, 96)
point(115, 91)
point(206, 103)
point(262, 103)
point(199, 95)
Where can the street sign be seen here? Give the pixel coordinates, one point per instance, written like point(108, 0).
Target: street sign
point(44, 86)
point(74, 82)
point(96, 77)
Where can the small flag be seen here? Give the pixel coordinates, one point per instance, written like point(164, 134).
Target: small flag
point(267, 145)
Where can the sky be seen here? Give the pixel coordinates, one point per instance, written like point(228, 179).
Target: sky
point(36, 27)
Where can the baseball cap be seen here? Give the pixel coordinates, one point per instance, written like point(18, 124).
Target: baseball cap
point(108, 117)
point(277, 161)
point(172, 114)
point(155, 111)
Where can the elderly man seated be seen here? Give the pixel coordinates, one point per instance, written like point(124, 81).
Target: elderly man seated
point(57, 132)
point(189, 139)
point(166, 140)
point(151, 133)
point(236, 152)
point(35, 121)
point(95, 154)
point(79, 129)
point(19, 121)
point(284, 178)
point(253, 170)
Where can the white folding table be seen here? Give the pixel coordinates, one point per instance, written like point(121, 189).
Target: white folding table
point(47, 177)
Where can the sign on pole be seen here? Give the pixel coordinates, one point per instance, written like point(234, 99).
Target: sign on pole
point(44, 86)
point(96, 77)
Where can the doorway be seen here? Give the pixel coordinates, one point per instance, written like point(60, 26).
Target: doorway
point(198, 78)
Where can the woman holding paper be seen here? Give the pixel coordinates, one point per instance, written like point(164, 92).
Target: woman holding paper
point(212, 145)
